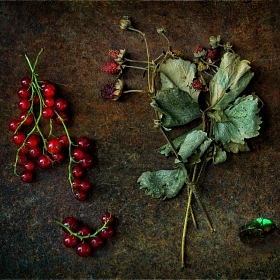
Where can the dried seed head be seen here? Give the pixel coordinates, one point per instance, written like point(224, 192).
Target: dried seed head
point(112, 91)
point(125, 22)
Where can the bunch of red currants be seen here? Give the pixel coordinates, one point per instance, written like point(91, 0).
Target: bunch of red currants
point(40, 104)
point(82, 237)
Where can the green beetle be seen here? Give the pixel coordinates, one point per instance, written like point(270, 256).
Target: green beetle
point(256, 230)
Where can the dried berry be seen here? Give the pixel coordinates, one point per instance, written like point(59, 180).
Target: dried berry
point(112, 91)
point(111, 67)
point(196, 84)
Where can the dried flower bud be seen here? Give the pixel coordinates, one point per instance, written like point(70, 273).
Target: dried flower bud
point(111, 67)
point(112, 91)
point(214, 41)
point(228, 46)
point(202, 67)
point(125, 23)
point(199, 51)
point(196, 84)
point(161, 30)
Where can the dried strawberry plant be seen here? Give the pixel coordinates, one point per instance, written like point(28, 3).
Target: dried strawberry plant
point(208, 89)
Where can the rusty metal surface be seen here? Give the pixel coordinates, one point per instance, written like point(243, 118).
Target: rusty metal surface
point(76, 37)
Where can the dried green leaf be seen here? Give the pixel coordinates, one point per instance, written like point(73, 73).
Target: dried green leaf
point(163, 183)
point(219, 155)
point(236, 147)
point(195, 145)
point(176, 107)
point(240, 121)
point(167, 149)
point(181, 73)
point(231, 79)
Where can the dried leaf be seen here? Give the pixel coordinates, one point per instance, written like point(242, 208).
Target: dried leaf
point(236, 147)
point(231, 79)
point(219, 155)
point(181, 73)
point(163, 183)
point(240, 121)
point(176, 107)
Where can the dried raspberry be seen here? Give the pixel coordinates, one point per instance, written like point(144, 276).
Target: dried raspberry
point(212, 54)
point(112, 91)
point(196, 84)
point(114, 53)
point(111, 67)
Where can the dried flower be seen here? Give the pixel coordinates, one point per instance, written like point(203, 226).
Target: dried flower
point(196, 84)
point(199, 52)
point(202, 67)
point(161, 30)
point(112, 91)
point(111, 67)
point(125, 23)
point(228, 46)
point(212, 54)
point(214, 41)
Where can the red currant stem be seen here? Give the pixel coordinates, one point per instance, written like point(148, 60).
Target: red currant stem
point(82, 237)
point(51, 128)
point(71, 159)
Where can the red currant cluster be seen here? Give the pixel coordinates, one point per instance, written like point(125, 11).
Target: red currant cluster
point(82, 237)
point(39, 101)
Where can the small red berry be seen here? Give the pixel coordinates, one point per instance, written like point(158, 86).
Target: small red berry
point(78, 154)
point(96, 242)
point(114, 53)
point(35, 152)
point(107, 217)
point(198, 49)
point(48, 90)
point(58, 157)
point(71, 223)
point(22, 159)
point(86, 161)
point(107, 232)
point(84, 231)
point(70, 240)
point(80, 195)
point(36, 100)
point(64, 116)
point(196, 84)
point(85, 185)
point(78, 171)
point(24, 150)
point(49, 101)
point(54, 146)
point(29, 165)
point(24, 93)
point(13, 124)
point(84, 143)
point(25, 82)
point(212, 54)
point(44, 162)
point(61, 104)
point(83, 249)
point(24, 104)
point(27, 117)
point(18, 138)
point(47, 112)
point(33, 141)
point(111, 67)
point(26, 176)
point(76, 183)
point(63, 139)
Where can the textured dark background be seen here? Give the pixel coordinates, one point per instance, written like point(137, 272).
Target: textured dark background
point(76, 37)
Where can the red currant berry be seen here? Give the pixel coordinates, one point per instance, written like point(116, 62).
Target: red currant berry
point(85, 185)
point(86, 161)
point(47, 112)
point(84, 231)
point(44, 162)
point(78, 154)
point(54, 146)
point(96, 242)
point(48, 90)
point(27, 118)
point(80, 195)
point(25, 82)
point(26, 176)
point(84, 143)
point(49, 101)
point(24, 104)
point(44, 83)
point(58, 157)
point(63, 117)
point(13, 124)
point(77, 171)
point(107, 217)
point(35, 152)
point(107, 232)
point(83, 249)
point(61, 104)
point(29, 165)
point(70, 240)
point(24, 93)
point(18, 138)
point(23, 151)
point(71, 223)
point(33, 141)
point(63, 139)
point(76, 184)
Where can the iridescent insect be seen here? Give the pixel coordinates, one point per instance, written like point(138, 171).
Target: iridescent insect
point(256, 230)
